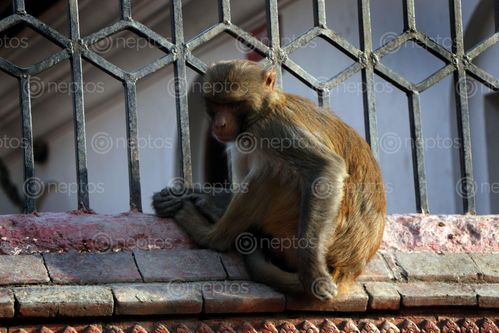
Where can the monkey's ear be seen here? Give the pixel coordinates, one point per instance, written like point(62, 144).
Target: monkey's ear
point(269, 78)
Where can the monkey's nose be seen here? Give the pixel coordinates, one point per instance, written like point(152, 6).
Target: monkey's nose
point(220, 124)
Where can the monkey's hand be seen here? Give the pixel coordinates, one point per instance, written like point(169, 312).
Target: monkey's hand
point(168, 202)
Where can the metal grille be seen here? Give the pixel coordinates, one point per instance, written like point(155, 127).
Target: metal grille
point(366, 60)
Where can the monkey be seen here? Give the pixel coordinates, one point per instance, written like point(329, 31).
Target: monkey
point(307, 175)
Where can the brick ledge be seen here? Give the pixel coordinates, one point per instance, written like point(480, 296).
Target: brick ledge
point(80, 231)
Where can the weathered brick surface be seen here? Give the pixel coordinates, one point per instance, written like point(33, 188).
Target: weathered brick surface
point(24, 269)
point(234, 266)
point(183, 265)
point(377, 270)
point(488, 265)
point(355, 301)
point(383, 296)
point(428, 266)
point(6, 304)
point(416, 294)
point(241, 296)
point(66, 301)
point(154, 299)
point(488, 295)
point(84, 268)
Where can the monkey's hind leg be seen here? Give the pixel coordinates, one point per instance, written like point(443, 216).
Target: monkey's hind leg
point(267, 273)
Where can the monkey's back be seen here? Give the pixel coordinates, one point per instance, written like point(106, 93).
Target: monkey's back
point(361, 216)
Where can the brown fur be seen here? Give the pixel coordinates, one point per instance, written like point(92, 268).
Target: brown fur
point(349, 224)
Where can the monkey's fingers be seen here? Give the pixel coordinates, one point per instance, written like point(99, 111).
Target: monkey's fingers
point(167, 208)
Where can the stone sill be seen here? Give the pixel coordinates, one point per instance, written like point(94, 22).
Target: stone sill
point(139, 265)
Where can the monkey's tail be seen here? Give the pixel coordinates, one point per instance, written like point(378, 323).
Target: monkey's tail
point(261, 270)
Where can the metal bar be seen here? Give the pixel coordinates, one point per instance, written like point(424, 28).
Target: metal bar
point(248, 39)
point(47, 31)
point(180, 72)
point(224, 11)
point(103, 64)
point(369, 97)
point(105, 32)
point(460, 81)
point(302, 40)
point(196, 64)
point(393, 45)
point(496, 15)
point(343, 75)
point(434, 78)
point(126, 9)
point(483, 77)
point(10, 68)
point(433, 47)
point(19, 7)
point(409, 15)
point(9, 21)
point(275, 38)
point(133, 149)
point(342, 44)
point(153, 67)
point(48, 62)
point(161, 42)
point(418, 153)
point(32, 187)
point(320, 14)
point(324, 98)
point(78, 108)
point(478, 49)
point(205, 36)
point(301, 74)
point(394, 78)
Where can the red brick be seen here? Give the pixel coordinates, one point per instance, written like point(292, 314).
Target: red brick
point(234, 266)
point(6, 304)
point(241, 297)
point(416, 294)
point(84, 268)
point(488, 265)
point(182, 265)
point(155, 299)
point(24, 269)
point(429, 266)
point(64, 301)
point(488, 295)
point(355, 301)
point(383, 296)
point(377, 270)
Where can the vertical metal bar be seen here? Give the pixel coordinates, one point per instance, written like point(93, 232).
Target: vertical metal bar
point(324, 98)
point(418, 153)
point(126, 9)
point(132, 140)
point(19, 7)
point(180, 72)
point(496, 11)
point(31, 189)
point(274, 37)
point(78, 107)
point(409, 15)
point(224, 11)
point(460, 81)
point(368, 76)
point(319, 13)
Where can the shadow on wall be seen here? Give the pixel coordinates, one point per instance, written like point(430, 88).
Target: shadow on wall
point(492, 138)
point(209, 158)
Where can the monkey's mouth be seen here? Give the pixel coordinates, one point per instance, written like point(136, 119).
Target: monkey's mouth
point(224, 136)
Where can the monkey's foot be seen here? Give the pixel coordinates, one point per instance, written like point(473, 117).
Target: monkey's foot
point(323, 288)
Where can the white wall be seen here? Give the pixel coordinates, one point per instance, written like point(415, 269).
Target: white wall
point(157, 120)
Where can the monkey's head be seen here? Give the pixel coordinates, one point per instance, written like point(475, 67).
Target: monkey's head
point(237, 94)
